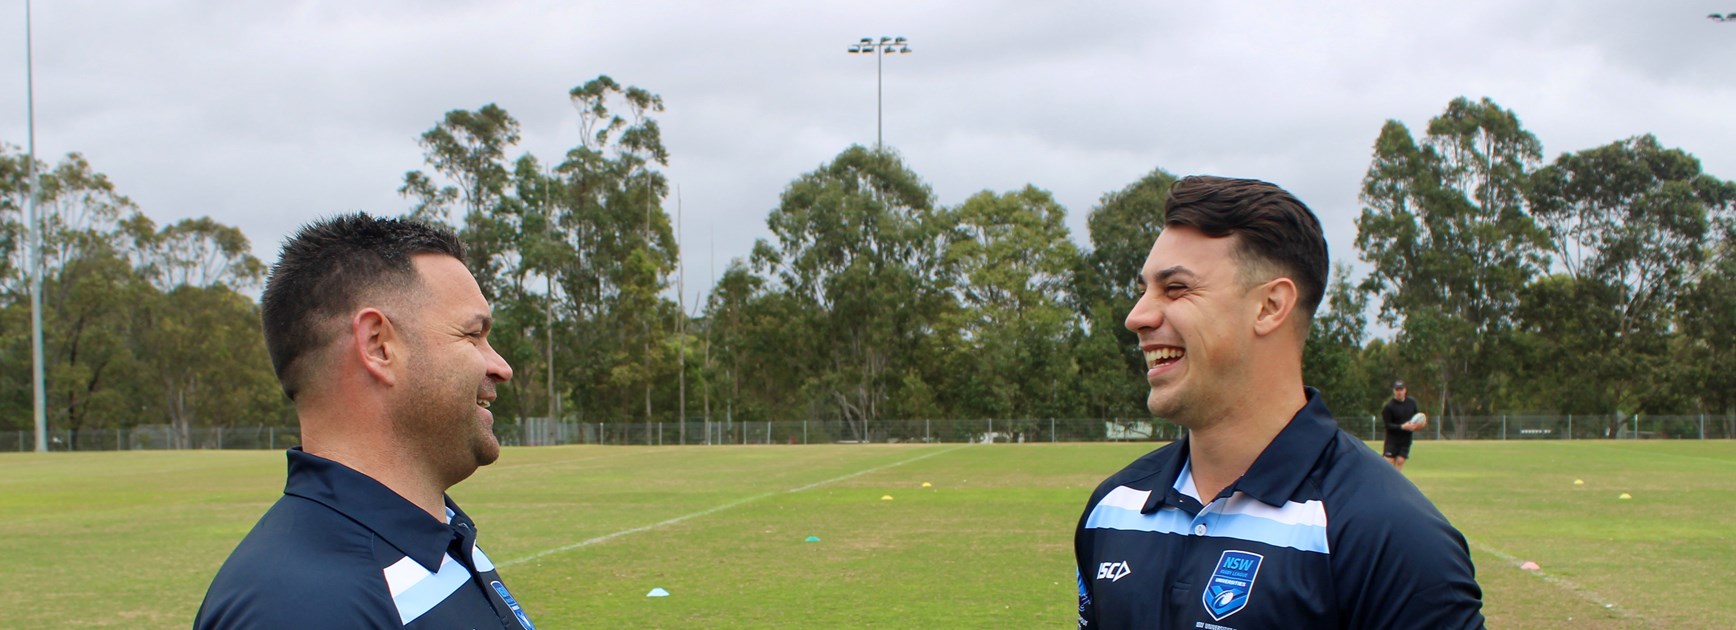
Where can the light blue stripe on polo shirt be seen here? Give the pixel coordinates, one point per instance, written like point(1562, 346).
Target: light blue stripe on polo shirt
point(1163, 521)
point(430, 590)
point(1244, 527)
point(1299, 534)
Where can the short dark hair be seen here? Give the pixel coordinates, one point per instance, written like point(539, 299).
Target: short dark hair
point(1275, 228)
point(326, 269)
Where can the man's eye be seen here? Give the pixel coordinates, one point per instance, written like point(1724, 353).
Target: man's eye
point(1175, 288)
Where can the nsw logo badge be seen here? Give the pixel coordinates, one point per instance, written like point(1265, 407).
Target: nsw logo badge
point(1231, 584)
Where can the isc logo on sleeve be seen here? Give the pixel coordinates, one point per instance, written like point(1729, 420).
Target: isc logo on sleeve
point(1113, 571)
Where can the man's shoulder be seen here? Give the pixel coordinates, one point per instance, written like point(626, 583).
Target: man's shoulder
point(299, 552)
point(1354, 476)
point(1396, 559)
point(1367, 500)
point(299, 530)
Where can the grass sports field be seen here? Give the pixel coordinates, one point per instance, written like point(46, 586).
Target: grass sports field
point(131, 539)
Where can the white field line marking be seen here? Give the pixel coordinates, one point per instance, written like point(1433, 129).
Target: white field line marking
point(720, 508)
point(1560, 582)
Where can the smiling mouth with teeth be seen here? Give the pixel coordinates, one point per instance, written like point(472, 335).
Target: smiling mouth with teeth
point(482, 403)
point(1163, 356)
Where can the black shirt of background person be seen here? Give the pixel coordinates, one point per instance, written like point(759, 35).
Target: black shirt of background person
point(1395, 415)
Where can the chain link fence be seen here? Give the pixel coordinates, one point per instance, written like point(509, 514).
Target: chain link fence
point(544, 432)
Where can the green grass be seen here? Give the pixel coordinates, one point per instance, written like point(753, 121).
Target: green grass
point(131, 539)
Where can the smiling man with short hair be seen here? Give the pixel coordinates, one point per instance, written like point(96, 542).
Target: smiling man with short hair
point(1265, 515)
point(379, 334)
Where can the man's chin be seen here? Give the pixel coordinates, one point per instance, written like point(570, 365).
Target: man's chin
point(1162, 406)
point(487, 450)
point(1158, 404)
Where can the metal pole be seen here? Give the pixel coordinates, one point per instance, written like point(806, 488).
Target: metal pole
point(1503, 427)
point(37, 389)
point(549, 295)
point(1570, 426)
point(681, 299)
point(879, 98)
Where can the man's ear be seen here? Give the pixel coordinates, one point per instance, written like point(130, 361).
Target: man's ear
point(1277, 303)
point(377, 344)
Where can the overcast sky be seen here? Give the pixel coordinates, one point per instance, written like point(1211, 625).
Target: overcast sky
point(267, 115)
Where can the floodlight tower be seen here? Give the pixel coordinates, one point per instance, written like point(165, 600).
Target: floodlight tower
point(34, 247)
point(880, 49)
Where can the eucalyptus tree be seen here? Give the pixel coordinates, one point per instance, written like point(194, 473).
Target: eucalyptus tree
point(1014, 261)
point(616, 246)
point(730, 334)
point(1332, 360)
point(89, 292)
point(858, 250)
point(1632, 224)
point(1123, 226)
point(467, 152)
point(196, 330)
point(1445, 226)
point(1706, 315)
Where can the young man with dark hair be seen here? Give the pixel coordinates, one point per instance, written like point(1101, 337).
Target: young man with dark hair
point(379, 334)
point(1396, 415)
point(1265, 515)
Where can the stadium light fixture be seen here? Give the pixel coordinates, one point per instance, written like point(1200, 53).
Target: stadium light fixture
point(880, 49)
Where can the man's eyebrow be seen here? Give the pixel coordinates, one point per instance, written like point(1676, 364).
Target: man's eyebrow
point(1171, 272)
point(485, 320)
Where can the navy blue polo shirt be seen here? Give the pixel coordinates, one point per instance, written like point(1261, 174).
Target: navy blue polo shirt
point(341, 550)
point(1319, 533)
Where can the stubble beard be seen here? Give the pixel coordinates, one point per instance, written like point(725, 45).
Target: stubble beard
point(446, 430)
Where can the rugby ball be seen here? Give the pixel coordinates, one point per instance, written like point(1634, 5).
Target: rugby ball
point(1419, 421)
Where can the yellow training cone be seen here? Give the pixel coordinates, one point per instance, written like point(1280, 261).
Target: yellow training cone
point(886, 498)
point(927, 485)
point(1579, 482)
point(1625, 495)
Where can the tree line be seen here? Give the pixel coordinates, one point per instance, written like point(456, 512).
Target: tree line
point(1602, 282)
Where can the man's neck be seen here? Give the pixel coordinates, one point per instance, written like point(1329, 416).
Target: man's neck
point(1220, 452)
point(391, 465)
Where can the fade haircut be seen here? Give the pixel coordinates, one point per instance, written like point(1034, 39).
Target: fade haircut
point(326, 270)
point(1277, 234)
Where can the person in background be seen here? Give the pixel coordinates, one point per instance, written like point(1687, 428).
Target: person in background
point(1397, 417)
